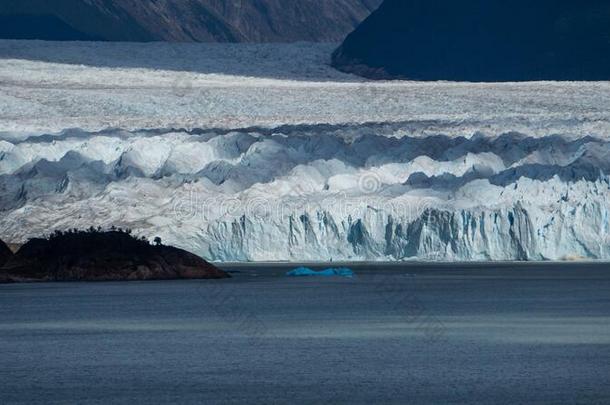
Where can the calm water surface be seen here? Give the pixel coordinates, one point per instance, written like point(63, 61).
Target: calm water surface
point(393, 334)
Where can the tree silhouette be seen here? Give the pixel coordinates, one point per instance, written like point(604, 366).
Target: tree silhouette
point(74, 233)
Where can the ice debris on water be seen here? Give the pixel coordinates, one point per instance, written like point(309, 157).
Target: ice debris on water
point(330, 272)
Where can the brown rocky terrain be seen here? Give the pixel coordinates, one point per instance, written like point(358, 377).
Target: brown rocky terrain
point(103, 256)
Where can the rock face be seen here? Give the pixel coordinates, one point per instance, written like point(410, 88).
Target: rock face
point(481, 40)
point(183, 20)
point(103, 256)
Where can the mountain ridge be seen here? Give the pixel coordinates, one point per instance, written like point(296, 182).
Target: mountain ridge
point(187, 20)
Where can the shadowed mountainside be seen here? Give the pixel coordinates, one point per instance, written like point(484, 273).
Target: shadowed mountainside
point(184, 20)
point(480, 40)
point(5, 253)
point(49, 27)
point(103, 256)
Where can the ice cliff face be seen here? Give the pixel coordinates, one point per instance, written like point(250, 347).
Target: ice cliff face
point(318, 192)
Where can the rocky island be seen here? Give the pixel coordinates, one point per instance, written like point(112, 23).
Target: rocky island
point(95, 255)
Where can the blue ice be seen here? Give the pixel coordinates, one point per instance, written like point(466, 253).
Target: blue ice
point(331, 272)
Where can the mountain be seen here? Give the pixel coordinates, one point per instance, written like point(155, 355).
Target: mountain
point(183, 20)
point(5, 253)
point(103, 256)
point(481, 40)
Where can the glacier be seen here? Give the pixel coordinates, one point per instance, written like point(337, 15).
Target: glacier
point(265, 153)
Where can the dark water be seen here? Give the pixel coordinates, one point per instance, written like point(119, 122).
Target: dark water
point(394, 334)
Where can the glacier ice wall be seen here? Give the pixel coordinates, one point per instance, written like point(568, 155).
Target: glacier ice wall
point(316, 192)
point(284, 158)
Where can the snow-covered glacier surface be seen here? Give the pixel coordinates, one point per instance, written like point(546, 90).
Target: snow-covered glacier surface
point(263, 152)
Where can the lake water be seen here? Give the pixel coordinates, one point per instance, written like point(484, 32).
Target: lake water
point(393, 334)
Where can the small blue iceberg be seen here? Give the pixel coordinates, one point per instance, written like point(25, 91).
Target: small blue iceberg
point(307, 272)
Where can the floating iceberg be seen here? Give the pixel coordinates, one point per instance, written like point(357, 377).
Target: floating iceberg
point(307, 272)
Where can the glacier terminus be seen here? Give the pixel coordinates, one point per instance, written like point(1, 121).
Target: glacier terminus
point(293, 160)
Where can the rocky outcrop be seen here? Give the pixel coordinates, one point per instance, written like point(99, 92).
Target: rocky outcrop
point(481, 40)
point(183, 20)
point(103, 256)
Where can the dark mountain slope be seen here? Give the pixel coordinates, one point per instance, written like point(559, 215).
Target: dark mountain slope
point(5, 253)
point(481, 40)
point(184, 20)
point(24, 26)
